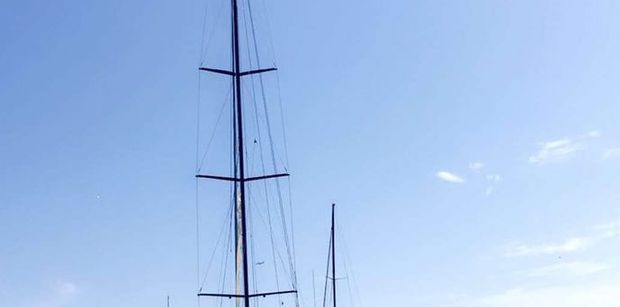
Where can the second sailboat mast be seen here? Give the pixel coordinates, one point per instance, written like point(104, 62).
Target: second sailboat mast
point(334, 252)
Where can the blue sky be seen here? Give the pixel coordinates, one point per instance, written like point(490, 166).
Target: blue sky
point(473, 149)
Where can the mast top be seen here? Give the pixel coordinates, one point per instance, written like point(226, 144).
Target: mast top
point(334, 252)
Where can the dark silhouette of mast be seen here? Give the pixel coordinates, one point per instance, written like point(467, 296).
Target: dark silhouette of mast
point(240, 178)
point(331, 261)
point(334, 253)
point(237, 71)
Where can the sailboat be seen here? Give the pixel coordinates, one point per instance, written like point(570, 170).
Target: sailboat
point(243, 288)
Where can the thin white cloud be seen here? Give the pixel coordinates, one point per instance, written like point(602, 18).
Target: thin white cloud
point(489, 190)
point(492, 181)
point(560, 150)
point(612, 153)
point(583, 289)
point(494, 177)
point(449, 177)
point(589, 295)
point(476, 166)
point(555, 151)
point(66, 289)
point(577, 268)
point(570, 245)
point(62, 295)
point(517, 249)
point(608, 230)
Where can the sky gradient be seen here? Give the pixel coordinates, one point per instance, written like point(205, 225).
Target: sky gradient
point(473, 149)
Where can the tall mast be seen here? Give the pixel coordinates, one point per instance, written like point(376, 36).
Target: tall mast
point(241, 169)
point(334, 253)
point(239, 177)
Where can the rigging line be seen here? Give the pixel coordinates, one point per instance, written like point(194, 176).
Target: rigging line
point(357, 290)
point(269, 217)
point(290, 208)
point(290, 194)
point(349, 286)
point(219, 117)
point(196, 196)
point(290, 276)
point(251, 236)
point(313, 289)
point(266, 191)
point(281, 106)
point(204, 50)
point(260, 146)
point(250, 157)
point(269, 31)
point(272, 149)
point(202, 35)
point(219, 239)
point(251, 165)
point(329, 249)
point(227, 252)
point(197, 243)
point(279, 91)
point(277, 255)
point(347, 262)
point(198, 108)
point(223, 258)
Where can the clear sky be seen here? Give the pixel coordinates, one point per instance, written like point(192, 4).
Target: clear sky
point(473, 148)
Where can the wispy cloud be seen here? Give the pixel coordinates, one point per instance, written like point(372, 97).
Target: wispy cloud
point(612, 153)
point(449, 177)
point(66, 289)
point(476, 166)
point(555, 151)
point(584, 290)
point(494, 177)
point(570, 245)
point(560, 150)
point(608, 230)
point(577, 268)
point(492, 180)
point(63, 293)
point(488, 191)
point(599, 295)
point(518, 249)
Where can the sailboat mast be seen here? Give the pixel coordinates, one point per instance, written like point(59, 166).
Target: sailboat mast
point(241, 169)
point(239, 178)
point(334, 253)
